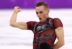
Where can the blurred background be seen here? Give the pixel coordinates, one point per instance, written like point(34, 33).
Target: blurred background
point(13, 38)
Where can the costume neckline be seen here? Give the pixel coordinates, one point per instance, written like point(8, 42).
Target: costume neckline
point(45, 20)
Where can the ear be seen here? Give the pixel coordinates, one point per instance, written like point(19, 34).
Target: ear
point(47, 10)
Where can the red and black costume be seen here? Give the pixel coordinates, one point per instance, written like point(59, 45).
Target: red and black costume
point(44, 32)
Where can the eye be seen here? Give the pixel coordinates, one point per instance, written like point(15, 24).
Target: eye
point(41, 12)
point(36, 12)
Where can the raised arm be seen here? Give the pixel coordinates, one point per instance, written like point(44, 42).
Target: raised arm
point(13, 23)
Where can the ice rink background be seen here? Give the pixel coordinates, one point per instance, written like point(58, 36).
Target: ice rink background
point(14, 38)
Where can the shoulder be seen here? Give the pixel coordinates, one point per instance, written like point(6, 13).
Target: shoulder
point(31, 22)
point(56, 19)
point(57, 23)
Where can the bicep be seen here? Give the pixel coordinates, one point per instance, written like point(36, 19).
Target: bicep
point(21, 25)
point(60, 33)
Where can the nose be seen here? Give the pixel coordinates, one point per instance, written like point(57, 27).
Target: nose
point(39, 15)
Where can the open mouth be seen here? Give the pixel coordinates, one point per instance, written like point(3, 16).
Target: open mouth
point(40, 18)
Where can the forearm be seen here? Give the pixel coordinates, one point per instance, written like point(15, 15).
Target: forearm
point(13, 18)
point(58, 45)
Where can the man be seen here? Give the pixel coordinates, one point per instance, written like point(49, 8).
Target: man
point(46, 31)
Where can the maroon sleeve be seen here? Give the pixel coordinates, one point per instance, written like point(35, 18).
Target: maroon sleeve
point(57, 23)
point(30, 25)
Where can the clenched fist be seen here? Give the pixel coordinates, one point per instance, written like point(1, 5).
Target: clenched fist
point(17, 9)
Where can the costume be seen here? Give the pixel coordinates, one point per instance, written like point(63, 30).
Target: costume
point(44, 32)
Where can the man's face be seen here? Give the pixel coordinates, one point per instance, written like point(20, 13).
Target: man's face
point(42, 13)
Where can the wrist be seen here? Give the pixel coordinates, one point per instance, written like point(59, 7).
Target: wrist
point(55, 48)
point(14, 12)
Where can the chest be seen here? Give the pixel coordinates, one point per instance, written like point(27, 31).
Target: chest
point(40, 27)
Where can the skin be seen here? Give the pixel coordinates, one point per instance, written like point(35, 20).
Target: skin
point(42, 13)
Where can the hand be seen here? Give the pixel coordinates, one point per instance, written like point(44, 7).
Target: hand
point(17, 9)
